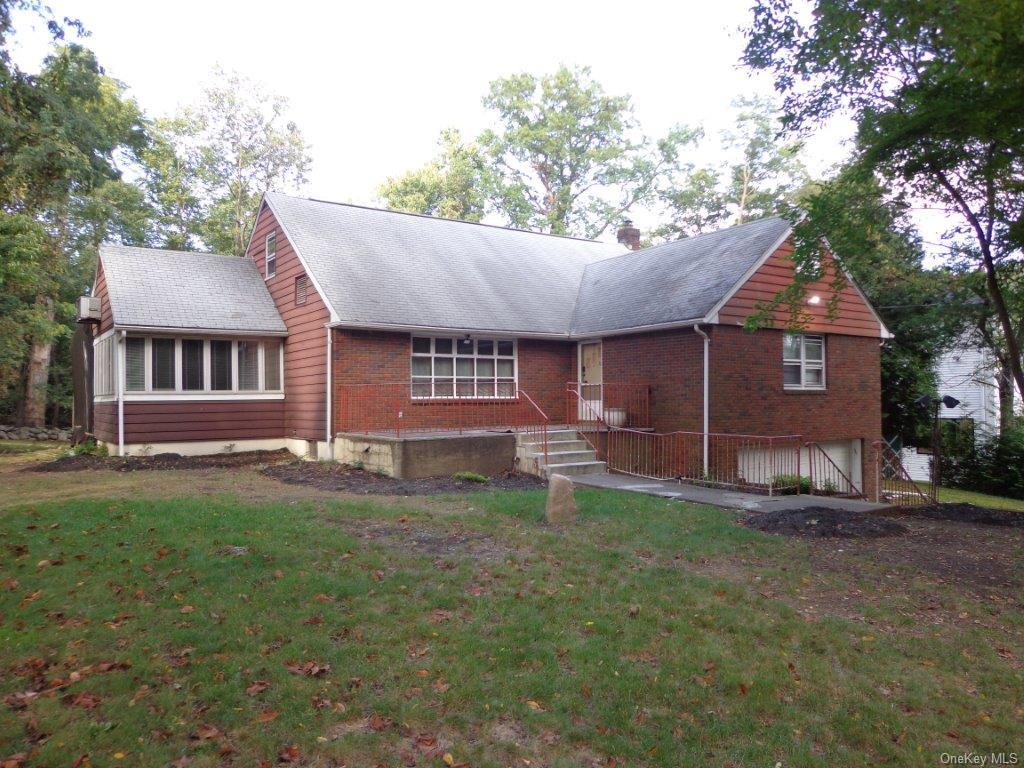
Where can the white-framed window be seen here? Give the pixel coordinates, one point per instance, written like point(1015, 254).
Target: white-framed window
point(271, 254)
point(457, 367)
point(164, 365)
point(803, 361)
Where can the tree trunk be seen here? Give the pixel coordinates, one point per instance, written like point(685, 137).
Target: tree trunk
point(37, 376)
point(1005, 397)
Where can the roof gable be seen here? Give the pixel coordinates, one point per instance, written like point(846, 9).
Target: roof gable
point(181, 290)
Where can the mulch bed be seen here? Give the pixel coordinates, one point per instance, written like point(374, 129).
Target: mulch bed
point(964, 513)
point(824, 522)
point(338, 477)
point(161, 461)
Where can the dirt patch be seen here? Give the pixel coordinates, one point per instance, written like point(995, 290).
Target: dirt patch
point(444, 545)
point(161, 461)
point(338, 477)
point(824, 523)
point(965, 513)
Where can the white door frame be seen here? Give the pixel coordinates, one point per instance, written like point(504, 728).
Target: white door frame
point(583, 414)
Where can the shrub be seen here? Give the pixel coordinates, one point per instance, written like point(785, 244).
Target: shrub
point(471, 477)
point(792, 484)
point(995, 466)
point(89, 447)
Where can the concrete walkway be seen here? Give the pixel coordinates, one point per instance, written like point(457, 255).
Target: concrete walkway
point(720, 497)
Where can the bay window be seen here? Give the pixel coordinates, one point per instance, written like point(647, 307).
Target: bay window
point(803, 361)
point(456, 367)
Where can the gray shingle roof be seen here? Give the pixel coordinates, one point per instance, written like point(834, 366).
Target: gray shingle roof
point(669, 283)
point(150, 287)
point(381, 267)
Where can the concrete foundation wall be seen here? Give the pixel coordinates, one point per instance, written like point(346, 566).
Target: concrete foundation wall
point(410, 458)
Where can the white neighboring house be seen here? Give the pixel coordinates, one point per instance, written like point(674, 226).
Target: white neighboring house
point(969, 375)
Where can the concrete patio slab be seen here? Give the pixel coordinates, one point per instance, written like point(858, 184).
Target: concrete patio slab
point(720, 497)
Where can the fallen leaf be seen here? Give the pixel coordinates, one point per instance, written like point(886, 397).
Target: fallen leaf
point(634, 610)
point(207, 732)
point(16, 760)
point(307, 668)
point(187, 609)
point(267, 716)
point(289, 754)
point(534, 706)
point(448, 759)
point(257, 687)
point(379, 722)
point(86, 701)
point(82, 761)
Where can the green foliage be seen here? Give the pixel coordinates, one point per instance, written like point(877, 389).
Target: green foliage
point(934, 88)
point(88, 447)
point(995, 467)
point(471, 477)
point(759, 176)
point(568, 158)
point(792, 483)
point(208, 167)
point(450, 185)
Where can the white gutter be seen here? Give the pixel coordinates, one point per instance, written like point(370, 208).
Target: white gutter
point(329, 427)
point(197, 331)
point(120, 392)
point(707, 414)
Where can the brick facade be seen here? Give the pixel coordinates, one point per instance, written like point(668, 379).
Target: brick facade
point(382, 357)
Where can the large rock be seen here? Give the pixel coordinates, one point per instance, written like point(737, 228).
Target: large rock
point(561, 506)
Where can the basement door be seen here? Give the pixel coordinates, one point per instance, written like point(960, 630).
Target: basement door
point(590, 379)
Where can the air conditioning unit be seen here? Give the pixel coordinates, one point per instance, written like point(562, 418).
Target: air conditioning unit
point(88, 308)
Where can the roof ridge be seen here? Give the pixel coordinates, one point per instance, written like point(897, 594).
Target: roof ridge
point(162, 249)
point(687, 239)
point(438, 218)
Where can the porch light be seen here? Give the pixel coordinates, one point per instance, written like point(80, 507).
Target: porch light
point(815, 299)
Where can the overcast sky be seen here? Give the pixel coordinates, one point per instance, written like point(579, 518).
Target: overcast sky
point(372, 84)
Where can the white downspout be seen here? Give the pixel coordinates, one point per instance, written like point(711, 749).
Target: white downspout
point(329, 428)
point(121, 351)
point(707, 401)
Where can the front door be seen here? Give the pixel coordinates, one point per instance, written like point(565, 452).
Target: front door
point(590, 380)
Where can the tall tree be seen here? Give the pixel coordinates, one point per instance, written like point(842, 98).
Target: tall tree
point(934, 87)
point(63, 131)
point(227, 151)
point(759, 175)
point(567, 158)
point(450, 185)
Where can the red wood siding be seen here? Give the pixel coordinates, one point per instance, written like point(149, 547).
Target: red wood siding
point(854, 319)
point(203, 420)
point(187, 420)
point(106, 315)
point(104, 421)
point(305, 349)
point(379, 357)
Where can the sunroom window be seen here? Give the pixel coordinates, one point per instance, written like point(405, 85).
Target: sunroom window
point(803, 361)
point(163, 365)
point(458, 367)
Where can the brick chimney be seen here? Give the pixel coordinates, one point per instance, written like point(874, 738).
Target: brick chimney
point(629, 235)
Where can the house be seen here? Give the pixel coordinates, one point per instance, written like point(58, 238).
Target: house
point(404, 342)
point(968, 373)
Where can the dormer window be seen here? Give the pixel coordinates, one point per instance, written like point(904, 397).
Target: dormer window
point(271, 255)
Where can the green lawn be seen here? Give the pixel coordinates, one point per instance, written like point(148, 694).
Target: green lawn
point(466, 632)
point(980, 499)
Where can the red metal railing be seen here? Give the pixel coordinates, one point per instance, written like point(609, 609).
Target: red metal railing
point(391, 409)
point(893, 484)
point(751, 462)
point(618, 404)
point(826, 478)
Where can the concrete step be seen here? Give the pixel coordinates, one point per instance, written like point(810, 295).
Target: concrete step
point(570, 457)
point(561, 435)
point(577, 468)
point(558, 445)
